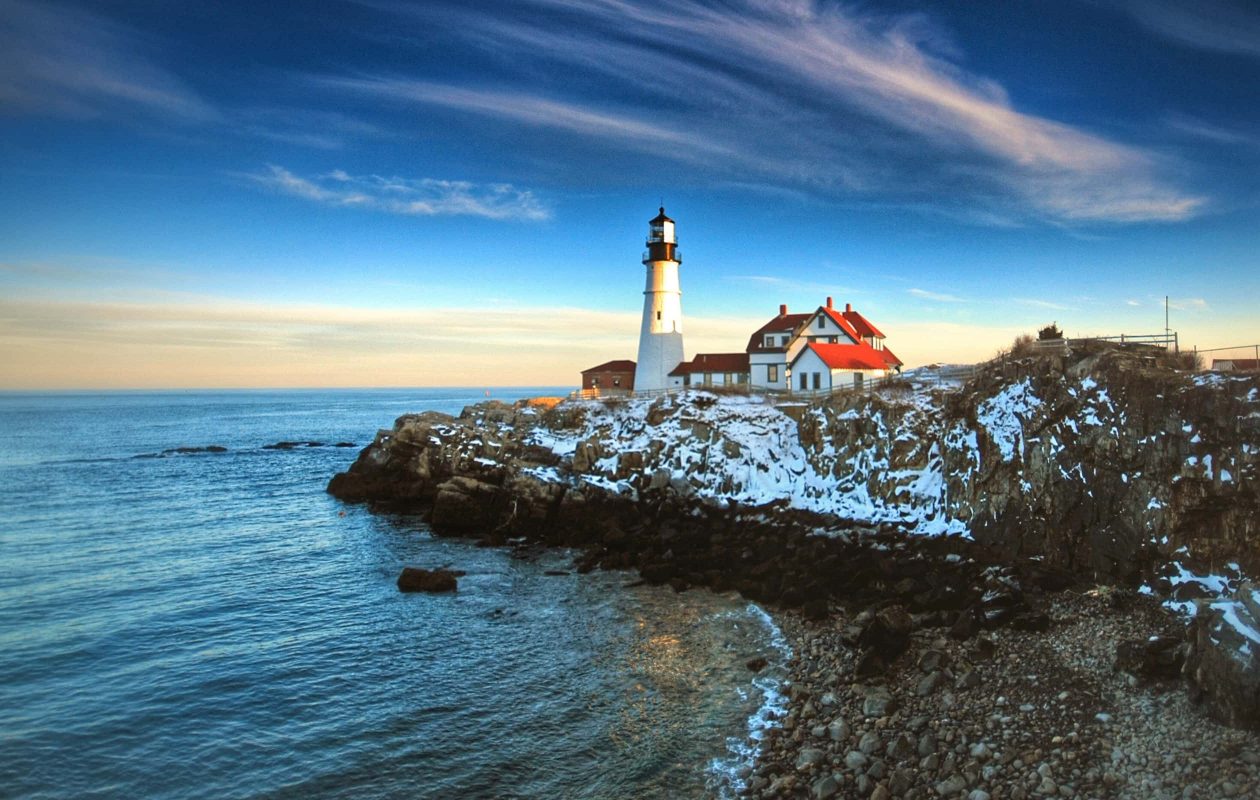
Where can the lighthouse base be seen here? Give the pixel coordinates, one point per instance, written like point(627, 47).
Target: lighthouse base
point(659, 353)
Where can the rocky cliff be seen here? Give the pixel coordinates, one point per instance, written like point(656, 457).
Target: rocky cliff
point(1104, 465)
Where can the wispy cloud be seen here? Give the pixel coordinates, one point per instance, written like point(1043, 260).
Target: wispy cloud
point(809, 95)
point(1210, 132)
point(937, 297)
point(426, 197)
point(1046, 304)
point(815, 289)
point(64, 61)
point(1219, 25)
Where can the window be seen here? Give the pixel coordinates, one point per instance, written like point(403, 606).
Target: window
point(687, 379)
point(708, 379)
point(616, 381)
point(804, 381)
point(833, 340)
point(658, 315)
point(772, 373)
point(769, 341)
point(595, 383)
point(822, 323)
point(817, 380)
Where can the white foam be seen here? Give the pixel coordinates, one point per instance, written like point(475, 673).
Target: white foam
point(745, 750)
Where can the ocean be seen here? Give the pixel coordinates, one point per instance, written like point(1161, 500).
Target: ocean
point(181, 622)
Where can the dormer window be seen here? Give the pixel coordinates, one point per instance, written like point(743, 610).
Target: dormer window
point(769, 341)
point(822, 323)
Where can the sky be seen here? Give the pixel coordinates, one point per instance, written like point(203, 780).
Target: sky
point(381, 193)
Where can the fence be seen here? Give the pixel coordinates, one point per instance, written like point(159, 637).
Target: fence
point(1168, 341)
point(1241, 358)
point(747, 389)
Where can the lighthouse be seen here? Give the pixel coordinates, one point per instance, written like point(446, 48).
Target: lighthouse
point(660, 338)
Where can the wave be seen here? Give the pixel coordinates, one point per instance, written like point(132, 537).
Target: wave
point(729, 775)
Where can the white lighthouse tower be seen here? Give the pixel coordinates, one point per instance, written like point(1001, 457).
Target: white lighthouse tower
point(660, 338)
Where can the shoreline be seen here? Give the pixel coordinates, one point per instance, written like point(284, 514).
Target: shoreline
point(1034, 715)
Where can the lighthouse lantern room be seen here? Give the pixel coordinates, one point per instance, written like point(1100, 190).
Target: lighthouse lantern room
point(660, 338)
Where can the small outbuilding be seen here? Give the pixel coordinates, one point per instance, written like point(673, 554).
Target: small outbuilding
point(611, 377)
point(1236, 364)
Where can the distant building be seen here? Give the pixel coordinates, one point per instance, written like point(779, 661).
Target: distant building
point(822, 350)
point(611, 377)
point(1236, 364)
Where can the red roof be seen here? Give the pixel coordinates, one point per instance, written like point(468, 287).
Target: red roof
point(787, 323)
point(846, 356)
point(713, 362)
point(861, 324)
point(612, 366)
point(890, 357)
point(842, 322)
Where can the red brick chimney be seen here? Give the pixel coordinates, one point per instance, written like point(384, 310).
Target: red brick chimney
point(828, 302)
point(848, 307)
point(783, 310)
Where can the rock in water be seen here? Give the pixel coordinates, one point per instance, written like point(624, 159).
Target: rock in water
point(414, 579)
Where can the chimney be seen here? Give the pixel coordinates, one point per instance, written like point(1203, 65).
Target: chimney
point(783, 310)
point(828, 302)
point(848, 307)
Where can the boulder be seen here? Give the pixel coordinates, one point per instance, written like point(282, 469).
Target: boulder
point(1222, 664)
point(888, 632)
point(415, 579)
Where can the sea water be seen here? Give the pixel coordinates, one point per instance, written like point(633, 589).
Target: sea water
point(196, 623)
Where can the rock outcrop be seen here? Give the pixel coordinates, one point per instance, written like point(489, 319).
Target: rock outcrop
point(955, 504)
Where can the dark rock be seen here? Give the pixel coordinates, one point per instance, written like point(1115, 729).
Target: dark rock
point(888, 632)
point(1190, 590)
point(1222, 664)
point(756, 664)
point(1156, 658)
point(345, 444)
point(965, 626)
point(870, 664)
point(932, 660)
point(414, 579)
point(1036, 621)
point(815, 609)
point(555, 572)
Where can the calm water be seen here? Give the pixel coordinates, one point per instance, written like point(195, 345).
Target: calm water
point(214, 625)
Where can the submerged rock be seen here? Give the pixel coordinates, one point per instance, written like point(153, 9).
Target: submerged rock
point(415, 579)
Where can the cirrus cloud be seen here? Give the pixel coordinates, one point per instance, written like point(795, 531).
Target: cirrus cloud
point(426, 197)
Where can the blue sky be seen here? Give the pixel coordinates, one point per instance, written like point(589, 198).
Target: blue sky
point(380, 193)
